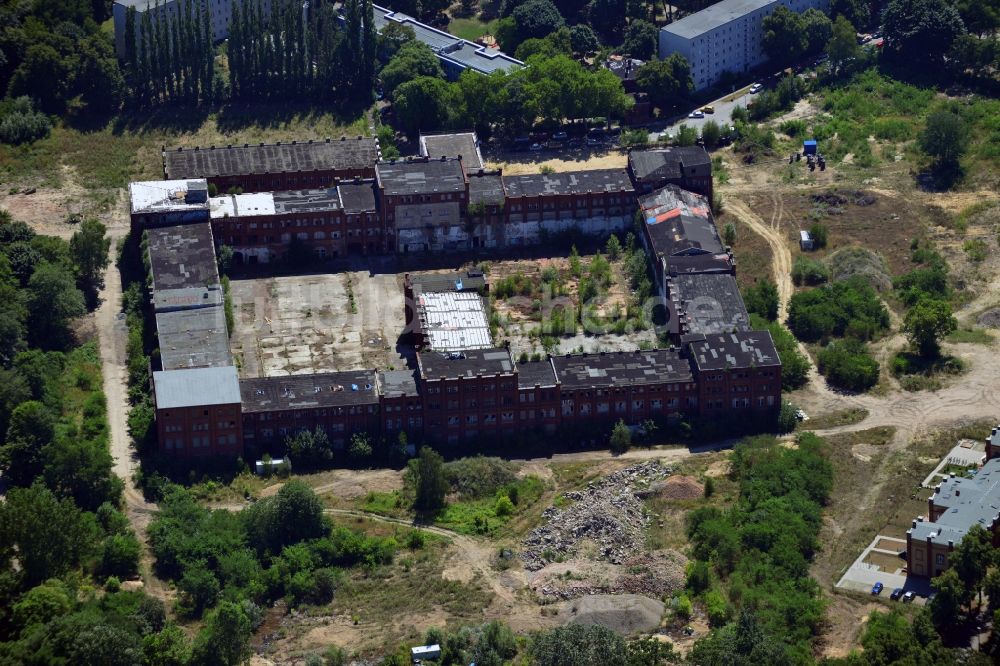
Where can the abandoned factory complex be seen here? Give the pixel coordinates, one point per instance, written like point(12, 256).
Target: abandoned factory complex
point(336, 198)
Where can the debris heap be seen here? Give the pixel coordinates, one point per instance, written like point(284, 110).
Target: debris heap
point(609, 512)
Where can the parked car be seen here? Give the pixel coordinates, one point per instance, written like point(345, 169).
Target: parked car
point(560, 136)
point(896, 594)
point(756, 88)
point(591, 141)
point(801, 416)
point(908, 597)
point(877, 589)
point(535, 147)
point(697, 114)
point(708, 109)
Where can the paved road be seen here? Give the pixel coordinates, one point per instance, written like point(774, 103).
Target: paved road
point(723, 114)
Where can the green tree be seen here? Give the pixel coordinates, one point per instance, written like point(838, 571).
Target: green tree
point(991, 586)
point(89, 248)
point(106, 645)
point(819, 235)
point(392, 38)
point(926, 323)
point(583, 38)
point(641, 40)
point(762, 299)
point(621, 438)
point(31, 429)
point(44, 76)
point(49, 536)
point(412, 60)
point(168, 647)
point(981, 17)
point(952, 595)
point(843, 47)
point(972, 558)
point(422, 104)
point(729, 234)
point(711, 134)
point(856, 12)
point(225, 640)
point(608, 17)
point(200, 588)
point(361, 447)
point(575, 644)
point(295, 514)
point(668, 82)
point(818, 29)
point(431, 483)
point(536, 18)
point(945, 138)
point(785, 39)
point(120, 556)
point(43, 603)
point(920, 31)
point(52, 300)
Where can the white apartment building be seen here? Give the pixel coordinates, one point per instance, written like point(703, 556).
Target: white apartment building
point(725, 37)
point(220, 12)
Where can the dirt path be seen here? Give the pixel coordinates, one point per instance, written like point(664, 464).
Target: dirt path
point(112, 332)
point(782, 257)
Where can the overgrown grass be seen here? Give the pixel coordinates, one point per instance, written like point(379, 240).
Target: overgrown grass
point(487, 515)
point(471, 28)
point(975, 336)
point(875, 105)
point(128, 148)
point(834, 419)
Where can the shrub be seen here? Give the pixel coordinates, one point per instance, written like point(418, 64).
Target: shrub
point(843, 308)
point(719, 610)
point(22, 124)
point(848, 364)
point(819, 235)
point(762, 299)
point(503, 506)
point(479, 476)
point(806, 271)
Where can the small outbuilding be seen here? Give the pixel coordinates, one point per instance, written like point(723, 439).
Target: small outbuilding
point(805, 240)
point(809, 147)
point(423, 653)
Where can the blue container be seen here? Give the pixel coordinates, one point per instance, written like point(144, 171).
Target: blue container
point(809, 147)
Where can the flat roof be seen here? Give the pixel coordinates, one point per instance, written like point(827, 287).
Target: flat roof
point(969, 502)
point(454, 320)
point(568, 182)
point(654, 366)
point(469, 363)
point(162, 196)
point(706, 303)
point(714, 16)
point(463, 144)
point(467, 280)
point(357, 196)
point(193, 338)
point(166, 300)
point(398, 383)
point(319, 155)
point(678, 221)
point(182, 256)
point(420, 176)
point(666, 163)
point(307, 201)
point(743, 349)
point(535, 373)
point(196, 387)
point(687, 264)
point(486, 187)
point(330, 389)
point(448, 47)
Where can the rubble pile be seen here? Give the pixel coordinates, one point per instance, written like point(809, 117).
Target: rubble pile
point(609, 512)
point(657, 574)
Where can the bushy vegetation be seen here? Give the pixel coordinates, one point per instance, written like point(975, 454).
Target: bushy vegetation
point(806, 271)
point(762, 299)
point(21, 123)
point(850, 308)
point(279, 547)
point(848, 364)
point(794, 364)
point(759, 551)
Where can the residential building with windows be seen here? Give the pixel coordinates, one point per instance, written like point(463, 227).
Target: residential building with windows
point(725, 37)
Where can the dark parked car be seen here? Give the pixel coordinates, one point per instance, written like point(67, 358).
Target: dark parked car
point(877, 589)
point(909, 597)
point(896, 594)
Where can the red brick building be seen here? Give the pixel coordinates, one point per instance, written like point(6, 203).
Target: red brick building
point(340, 403)
point(735, 373)
point(423, 203)
point(329, 222)
point(198, 412)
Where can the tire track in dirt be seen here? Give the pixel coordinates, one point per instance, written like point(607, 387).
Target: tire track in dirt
point(781, 265)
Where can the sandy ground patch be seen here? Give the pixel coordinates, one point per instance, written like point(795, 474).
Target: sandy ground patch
point(681, 488)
